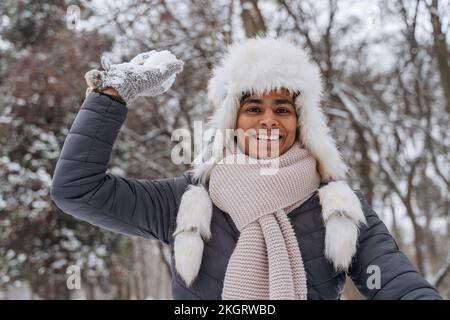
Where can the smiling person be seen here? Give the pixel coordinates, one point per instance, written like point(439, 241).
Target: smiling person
point(234, 233)
point(267, 124)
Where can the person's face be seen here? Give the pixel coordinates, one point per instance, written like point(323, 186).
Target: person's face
point(267, 124)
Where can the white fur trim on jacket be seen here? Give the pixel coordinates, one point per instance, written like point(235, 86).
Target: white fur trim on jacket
point(342, 215)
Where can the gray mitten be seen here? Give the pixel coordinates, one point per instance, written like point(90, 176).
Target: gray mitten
point(148, 74)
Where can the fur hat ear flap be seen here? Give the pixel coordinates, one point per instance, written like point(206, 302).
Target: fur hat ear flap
point(193, 228)
point(343, 216)
point(315, 135)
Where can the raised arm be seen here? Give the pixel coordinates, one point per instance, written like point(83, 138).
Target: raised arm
point(82, 188)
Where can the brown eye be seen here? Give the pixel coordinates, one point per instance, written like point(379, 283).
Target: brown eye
point(253, 109)
point(282, 110)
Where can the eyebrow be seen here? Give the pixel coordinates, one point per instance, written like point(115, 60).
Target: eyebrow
point(260, 101)
point(282, 101)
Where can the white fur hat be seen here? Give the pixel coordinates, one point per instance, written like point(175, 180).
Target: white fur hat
point(259, 65)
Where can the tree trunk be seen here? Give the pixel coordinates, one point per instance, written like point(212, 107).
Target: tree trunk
point(252, 18)
point(441, 51)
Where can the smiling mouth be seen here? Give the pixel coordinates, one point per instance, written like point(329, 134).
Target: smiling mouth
point(268, 138)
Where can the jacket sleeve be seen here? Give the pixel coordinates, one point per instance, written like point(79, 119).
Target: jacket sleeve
point(82, 188)
point(399, 279)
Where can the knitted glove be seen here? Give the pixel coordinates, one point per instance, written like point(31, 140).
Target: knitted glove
point(148, 74)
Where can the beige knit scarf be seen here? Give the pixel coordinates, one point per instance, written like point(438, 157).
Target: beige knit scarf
point(266, 262)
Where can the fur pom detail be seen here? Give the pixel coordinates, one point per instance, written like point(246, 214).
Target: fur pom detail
point(193, 227)
point(188, 249)
point(343, 216)
point(94, 79)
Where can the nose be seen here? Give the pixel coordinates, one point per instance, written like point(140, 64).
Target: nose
point(269, 121)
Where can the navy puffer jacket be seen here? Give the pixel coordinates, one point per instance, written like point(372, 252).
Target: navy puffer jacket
point(82, 187)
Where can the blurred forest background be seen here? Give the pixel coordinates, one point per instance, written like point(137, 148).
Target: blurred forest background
point(386, 66)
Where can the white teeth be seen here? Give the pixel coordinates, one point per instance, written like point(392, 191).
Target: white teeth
point(272, 138)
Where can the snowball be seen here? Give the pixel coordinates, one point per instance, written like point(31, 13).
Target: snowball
point(160, 60)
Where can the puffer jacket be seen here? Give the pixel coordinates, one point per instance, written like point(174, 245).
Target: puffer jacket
point(82, 188)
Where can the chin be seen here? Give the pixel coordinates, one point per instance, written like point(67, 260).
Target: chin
point(264, 152)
